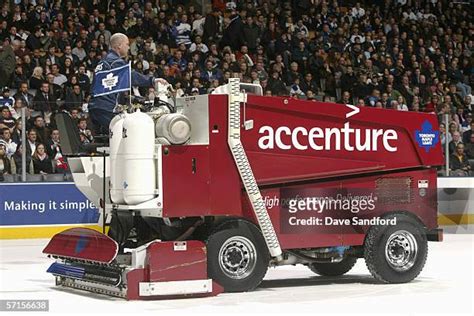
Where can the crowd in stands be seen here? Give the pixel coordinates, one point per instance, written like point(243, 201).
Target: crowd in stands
point(405, 55)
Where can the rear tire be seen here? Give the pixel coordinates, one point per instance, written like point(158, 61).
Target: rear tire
point(237, 257)
point(396, 254)
point(333, 269)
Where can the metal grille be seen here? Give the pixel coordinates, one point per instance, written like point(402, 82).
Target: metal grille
point(394, 190)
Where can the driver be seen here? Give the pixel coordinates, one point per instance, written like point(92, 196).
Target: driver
point(101, 107)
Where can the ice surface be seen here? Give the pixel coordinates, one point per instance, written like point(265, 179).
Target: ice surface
point(444, 286)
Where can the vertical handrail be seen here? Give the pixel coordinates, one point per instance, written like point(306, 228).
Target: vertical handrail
point(446, 144)
point(23, 141)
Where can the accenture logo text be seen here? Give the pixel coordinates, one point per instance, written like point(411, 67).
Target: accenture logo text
point(317, 138)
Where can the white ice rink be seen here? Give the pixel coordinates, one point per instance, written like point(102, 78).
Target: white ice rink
point(445, 286)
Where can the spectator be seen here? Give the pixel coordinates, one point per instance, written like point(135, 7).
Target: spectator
point(455, 142)
point(83, 79)
point(233, 32)
point(36, 39)
point(7, 63)
point(198, 46)
point(18, 77)
point(43, 101)
point(53, 145)
point(23, 95)
point(67, 54)
point(10, 145)
point(16, 133)
point(5, 165)
point(59, 78)
point(295, 89)
point(444, 136)
point(373, 98)
point(6, 120)
point(52, 57)
point(42, 163)
point(17, 162)
point(55, 90)
point(37, 79)
point(31, 142)
point(458, 163)
point(6, 99)
point(433, 105)
point(308, 84)
point(42, 132)
point(16, 111)
point(182, 31)
point(75, 116)
point(402, 106)
point(83, 129)
point(251, 34)
point(211, 26)
point(210, 73)
point(74, 98)
point(469, 148)
point(467, 123)
point(466, 136)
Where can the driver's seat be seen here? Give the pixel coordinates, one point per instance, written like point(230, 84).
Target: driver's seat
point(70, 139)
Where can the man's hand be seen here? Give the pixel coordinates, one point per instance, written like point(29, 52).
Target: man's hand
point(162, 81)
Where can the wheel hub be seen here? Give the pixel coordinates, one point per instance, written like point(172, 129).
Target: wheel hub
point(237, 257)
point(401, 250)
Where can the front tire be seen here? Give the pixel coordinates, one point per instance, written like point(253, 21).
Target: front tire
point(237, 257)
point(333, 269)
point(396, 254)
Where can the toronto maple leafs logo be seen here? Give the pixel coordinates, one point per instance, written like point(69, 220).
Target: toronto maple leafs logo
point(427, 137)
point(109, 81)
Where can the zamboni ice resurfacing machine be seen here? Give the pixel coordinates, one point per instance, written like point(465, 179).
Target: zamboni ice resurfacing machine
point(205, 194)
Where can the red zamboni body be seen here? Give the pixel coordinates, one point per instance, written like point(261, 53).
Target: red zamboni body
point(261, 181)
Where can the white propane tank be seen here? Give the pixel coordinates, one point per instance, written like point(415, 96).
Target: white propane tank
point(138, 145)
point(116, 161)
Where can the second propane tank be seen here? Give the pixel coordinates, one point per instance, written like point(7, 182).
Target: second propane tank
point(137, 150)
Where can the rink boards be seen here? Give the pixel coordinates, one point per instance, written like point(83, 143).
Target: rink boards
point(40, 210)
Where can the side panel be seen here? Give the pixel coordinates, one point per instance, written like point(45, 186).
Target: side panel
point(329, 213)
point(201, 180)
point(176, 261)
point(186, 179)
point(225, 187)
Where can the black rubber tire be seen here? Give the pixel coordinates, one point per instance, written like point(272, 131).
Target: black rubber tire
point(374, 250)
point(215, 272)
point(333, 269)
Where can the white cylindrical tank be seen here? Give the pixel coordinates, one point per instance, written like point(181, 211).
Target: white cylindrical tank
point(138, 144)
point(116, 165)
point(173, 128)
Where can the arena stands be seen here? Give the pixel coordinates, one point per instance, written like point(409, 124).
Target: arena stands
point(406, 55)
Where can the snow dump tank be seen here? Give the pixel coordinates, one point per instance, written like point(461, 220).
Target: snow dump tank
point(310, 140)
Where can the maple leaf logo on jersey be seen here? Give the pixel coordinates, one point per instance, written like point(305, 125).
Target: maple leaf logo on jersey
point(110, 81)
